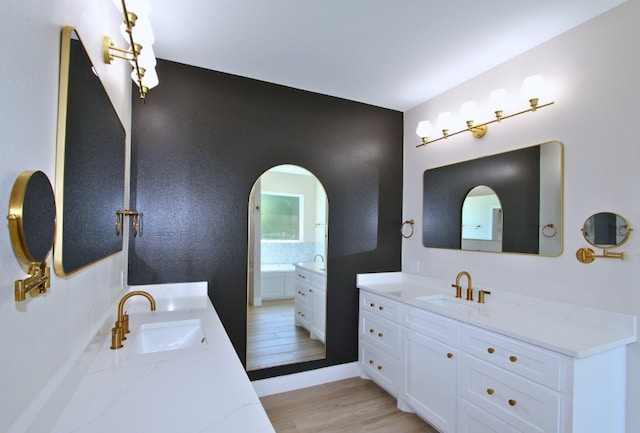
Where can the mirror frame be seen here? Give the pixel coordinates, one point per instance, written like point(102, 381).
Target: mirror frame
point(89, 184)
point(441, 183)
point(606, 246)
point(32, 218)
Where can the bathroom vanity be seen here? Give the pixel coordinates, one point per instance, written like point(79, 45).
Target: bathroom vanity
point(176, 372)
point(310, 298)
point(514, 364)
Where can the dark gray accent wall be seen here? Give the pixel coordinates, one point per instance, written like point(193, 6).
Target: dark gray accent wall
point(198, 145)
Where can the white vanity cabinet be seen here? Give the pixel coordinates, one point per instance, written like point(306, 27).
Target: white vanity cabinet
point(379, 340)
point(430, 366)
point(310, 301)
point(489, 369)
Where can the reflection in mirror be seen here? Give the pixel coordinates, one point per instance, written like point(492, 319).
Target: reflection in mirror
point(528, 182)
point(286, 280)
point(90, 161)
point(606, 230)
point(32, 221)
point(482, 220)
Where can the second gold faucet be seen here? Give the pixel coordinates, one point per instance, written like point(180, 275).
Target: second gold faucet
point(120, 331)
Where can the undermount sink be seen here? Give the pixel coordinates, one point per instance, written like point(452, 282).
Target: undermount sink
point(449, 302)
point(174, 335)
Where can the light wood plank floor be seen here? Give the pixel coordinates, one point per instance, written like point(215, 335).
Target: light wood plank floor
point(273, 338)
point(352, 405)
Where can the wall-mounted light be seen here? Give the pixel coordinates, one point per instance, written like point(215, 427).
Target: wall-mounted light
point(136, 29)
point(533, 89)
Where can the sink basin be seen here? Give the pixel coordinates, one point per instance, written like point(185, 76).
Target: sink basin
point(449, 303)
point(175, 335)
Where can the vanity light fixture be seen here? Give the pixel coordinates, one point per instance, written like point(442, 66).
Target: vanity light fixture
point(533, 89)
point(136, 29)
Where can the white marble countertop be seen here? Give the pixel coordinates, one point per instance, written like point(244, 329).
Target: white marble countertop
point(569, 329)
point(316, 267)
point(199, 389)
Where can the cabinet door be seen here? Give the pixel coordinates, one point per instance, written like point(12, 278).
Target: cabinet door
point(272, 284)
point(318, 313)
point(429, 379)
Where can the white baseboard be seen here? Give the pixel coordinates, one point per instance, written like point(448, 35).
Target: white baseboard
point(289, 382)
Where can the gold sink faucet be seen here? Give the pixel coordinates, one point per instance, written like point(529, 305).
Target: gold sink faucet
point(120, 331)
point(458, 287)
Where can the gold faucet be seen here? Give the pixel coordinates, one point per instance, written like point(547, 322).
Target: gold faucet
point(118, 332)
point(459, 288)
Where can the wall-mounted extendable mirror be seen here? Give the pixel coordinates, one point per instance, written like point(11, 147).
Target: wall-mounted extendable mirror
point(90, 163)
point(604, 230)
point(528, 212)
point(32, 221)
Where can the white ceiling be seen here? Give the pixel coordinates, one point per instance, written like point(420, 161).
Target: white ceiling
point(389, 53)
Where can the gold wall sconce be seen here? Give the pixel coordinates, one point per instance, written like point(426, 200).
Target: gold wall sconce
point(604, 230)
point(137, 31)
point(533, 89)
point(120, 214)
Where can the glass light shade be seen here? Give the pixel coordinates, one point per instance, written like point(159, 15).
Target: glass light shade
point(425, 129)
point(533, 87)
point(469, 111)
point(498, 100)
point(146, 58)
point(445, 121)
point(142, 32)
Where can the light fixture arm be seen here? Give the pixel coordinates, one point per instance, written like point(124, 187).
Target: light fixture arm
point(481, 129)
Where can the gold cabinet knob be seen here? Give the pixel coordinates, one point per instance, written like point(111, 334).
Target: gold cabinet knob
point(490, 391)
point(372, 304)
point(379, 367)
point(371, 361)
point(380, 308)
point(491, 350)
point(512, 402)
point(513, 358)
point(380, 334)
point(449, 355)
point(372, 330)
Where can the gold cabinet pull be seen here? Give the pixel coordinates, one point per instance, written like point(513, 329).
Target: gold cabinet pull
point(513, 358)
point(372, 330)
point(490, 391)
point(512, 402)
point(380, 334)
point(449, 355)
point(372, 304)
point(379, 367)
point(371, 361)
point(491, 350)
point(380, 308)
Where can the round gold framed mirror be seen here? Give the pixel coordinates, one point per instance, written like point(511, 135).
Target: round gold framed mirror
point(606, 230)
point(32, 222)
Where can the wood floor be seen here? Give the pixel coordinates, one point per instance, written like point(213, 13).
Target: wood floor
point(348, 406)
point(273, 338)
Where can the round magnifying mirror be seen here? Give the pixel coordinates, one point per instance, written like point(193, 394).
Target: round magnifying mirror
point(606, 230)
point(32, 217)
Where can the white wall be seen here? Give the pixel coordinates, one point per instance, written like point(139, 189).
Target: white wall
point(38, 335)
point(595, 68)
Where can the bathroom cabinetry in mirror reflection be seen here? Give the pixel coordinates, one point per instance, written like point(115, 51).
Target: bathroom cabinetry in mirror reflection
point(286, 283)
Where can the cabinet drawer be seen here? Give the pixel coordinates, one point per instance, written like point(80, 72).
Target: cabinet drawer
point(537, 364)
point(302, 293)
point(302, 315)
point(379, 367)
point(317, 281)
point(430, 324)
point(472, 419)
point(527, 406)
point(380, 332)
point(380, 306)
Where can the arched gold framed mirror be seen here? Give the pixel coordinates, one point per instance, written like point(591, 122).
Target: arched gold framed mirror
point(32, 223)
